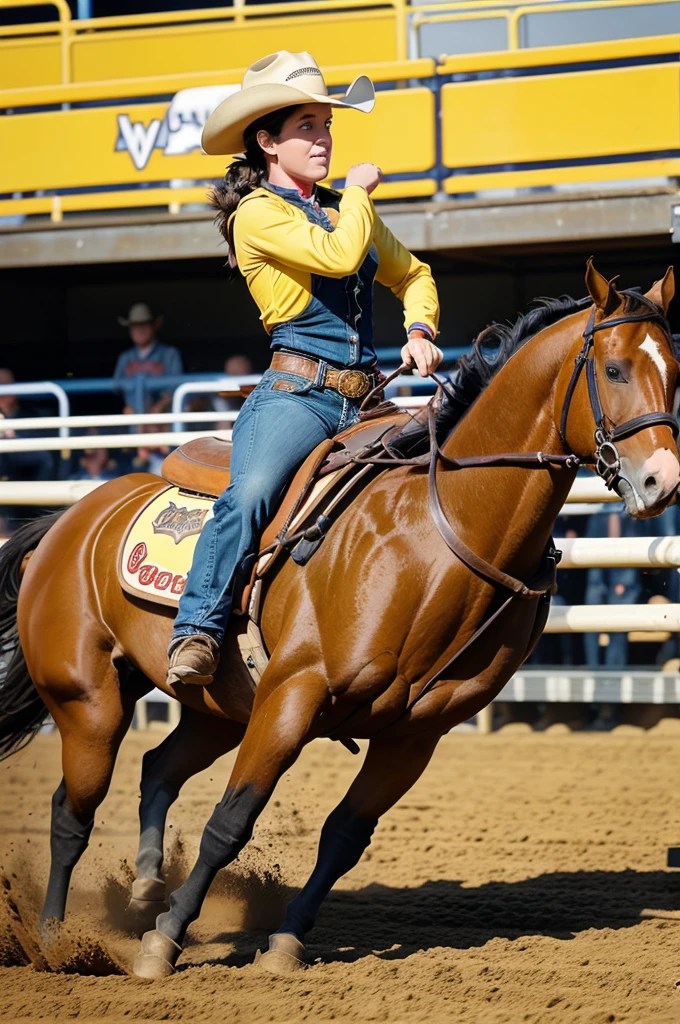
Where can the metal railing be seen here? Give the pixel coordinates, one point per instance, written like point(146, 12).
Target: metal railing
point(451, 12)
point(180, 385)
point(406, 19)
point(62, 27)
point(35, 390)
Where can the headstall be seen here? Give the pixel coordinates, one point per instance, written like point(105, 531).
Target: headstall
point(607, 460)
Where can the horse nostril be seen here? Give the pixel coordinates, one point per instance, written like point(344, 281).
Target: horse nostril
point(650, 483)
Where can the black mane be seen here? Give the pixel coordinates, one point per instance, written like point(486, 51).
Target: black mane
point(497, 343)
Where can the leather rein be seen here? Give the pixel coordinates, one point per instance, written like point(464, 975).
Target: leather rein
point(606, 461)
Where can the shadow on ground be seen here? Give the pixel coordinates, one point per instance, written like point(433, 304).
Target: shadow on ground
point(353, 924)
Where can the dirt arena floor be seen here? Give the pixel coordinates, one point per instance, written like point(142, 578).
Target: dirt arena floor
point(507, 886)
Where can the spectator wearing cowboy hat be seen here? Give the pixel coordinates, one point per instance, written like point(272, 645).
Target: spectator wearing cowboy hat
point(147, 356)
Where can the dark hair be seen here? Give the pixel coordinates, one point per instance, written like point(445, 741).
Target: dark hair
point(245, 173)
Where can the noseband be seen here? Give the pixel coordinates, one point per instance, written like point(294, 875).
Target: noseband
point(607, 460)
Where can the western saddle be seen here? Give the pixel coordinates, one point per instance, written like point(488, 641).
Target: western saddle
point(326, 476)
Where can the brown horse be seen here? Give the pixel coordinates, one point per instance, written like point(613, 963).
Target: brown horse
point(353, 635)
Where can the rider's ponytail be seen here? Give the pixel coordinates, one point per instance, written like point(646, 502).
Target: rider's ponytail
point(246, 172)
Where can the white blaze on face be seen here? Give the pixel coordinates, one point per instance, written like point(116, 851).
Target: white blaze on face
point(652, 349)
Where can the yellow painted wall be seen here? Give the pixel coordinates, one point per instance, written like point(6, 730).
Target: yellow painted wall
point(205, 46)
point(76, 148)
point(552, 117)
point(29, 62)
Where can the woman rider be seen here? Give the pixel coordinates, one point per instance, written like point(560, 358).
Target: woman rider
point(309, 256)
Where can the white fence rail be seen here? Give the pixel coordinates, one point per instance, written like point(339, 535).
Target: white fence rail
point(67, 492)
point(111, 420)
point(613, 618)
point(57, 444)
point(619, 552)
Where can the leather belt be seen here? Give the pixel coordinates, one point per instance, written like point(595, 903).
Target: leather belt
point(349, 383)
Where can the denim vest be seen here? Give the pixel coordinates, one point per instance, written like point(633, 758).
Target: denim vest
point(337, 323)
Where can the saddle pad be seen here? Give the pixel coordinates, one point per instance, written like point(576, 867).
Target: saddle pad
point(156, 554)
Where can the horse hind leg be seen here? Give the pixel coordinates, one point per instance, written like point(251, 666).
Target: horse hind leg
point(388, 772)
point(91, 733)
point(196, 742)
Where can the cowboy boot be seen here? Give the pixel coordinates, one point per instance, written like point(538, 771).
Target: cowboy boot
point(193, 660)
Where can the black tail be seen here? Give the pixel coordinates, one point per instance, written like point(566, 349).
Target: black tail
point(22, 712)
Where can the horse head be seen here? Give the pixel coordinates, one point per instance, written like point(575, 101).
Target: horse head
point(614, 400)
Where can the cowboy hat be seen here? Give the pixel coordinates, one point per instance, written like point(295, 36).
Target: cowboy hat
point(139, 313)
point(276, 81)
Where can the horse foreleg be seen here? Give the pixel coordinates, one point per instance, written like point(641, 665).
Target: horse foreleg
point(389, 771)
point(91, 734)
point(281, 724)
point(189, 749)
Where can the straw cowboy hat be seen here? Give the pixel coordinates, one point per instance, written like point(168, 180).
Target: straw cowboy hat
point(276, 81)
point(139, 313)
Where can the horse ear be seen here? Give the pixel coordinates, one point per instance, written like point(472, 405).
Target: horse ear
point(663, 291)
point(602, 292)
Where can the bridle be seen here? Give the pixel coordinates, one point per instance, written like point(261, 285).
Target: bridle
point(607, 460)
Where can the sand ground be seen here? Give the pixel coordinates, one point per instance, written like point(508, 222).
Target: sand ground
point(507, 886)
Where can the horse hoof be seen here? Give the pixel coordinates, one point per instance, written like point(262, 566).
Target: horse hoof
point(286, 955)
point(147, 901)
point(148, 890)
point(157, 957)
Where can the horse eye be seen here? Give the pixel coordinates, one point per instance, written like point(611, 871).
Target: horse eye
point(613, 373)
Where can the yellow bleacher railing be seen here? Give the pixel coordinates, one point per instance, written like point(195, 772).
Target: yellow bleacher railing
point(195, 41)
point(191, 41)
point(159, 85)
point(60, 27)
point(429, 132)
point(434, 13)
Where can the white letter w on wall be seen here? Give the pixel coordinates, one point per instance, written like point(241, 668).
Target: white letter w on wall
point(138, 140)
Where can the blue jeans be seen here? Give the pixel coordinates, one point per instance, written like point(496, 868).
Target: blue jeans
point(273, 434)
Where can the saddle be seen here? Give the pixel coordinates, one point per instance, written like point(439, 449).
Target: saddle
point(202, 467)
point(158, 548)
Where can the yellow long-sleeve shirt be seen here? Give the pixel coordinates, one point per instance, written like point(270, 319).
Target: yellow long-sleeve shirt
point(279, 250)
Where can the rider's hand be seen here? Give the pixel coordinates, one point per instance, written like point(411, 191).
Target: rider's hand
point(367, 175)
point(423, 352)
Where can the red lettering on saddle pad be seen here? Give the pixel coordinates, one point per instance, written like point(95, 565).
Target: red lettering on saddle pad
point(147, 574)
point(178, 584)
point(137, 556)
point(163, 580)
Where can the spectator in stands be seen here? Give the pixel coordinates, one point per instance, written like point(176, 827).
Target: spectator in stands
point(147, 356)
point(20, 465)
point(150, 460)
point(95, 464)
point(238, 365)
